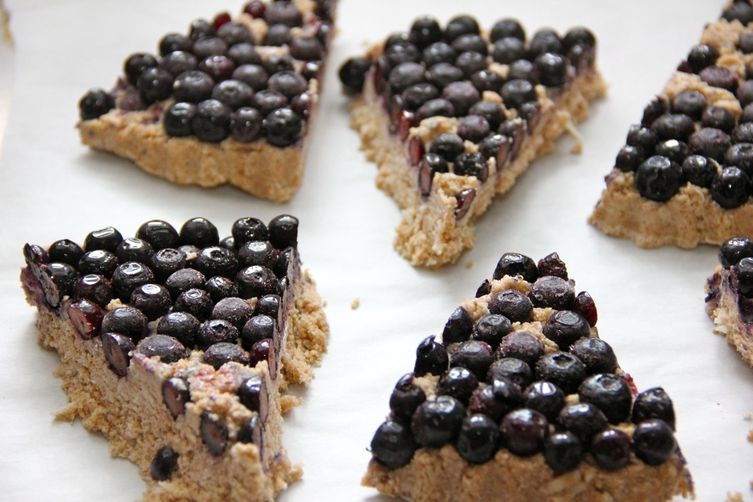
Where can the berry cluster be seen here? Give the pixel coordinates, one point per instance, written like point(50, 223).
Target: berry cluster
point(503, 384)
point(165, 293)
point(226, 79)
point(686, 139)
point(736, 254)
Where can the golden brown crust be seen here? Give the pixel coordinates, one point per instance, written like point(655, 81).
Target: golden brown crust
point(429, 235)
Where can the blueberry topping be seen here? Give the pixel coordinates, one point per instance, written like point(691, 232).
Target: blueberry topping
point(442, 75)
point(461, 25)
point(563, 369)
point(609, 393)
point(471, 164)
point(523, 431)
point(717, 76)
point(658, 178)
point(473, 128)
point(152, 299)
point(458, 327)
point(117, 349)
point(175, 395)
point(448, 146)
point(730, 187)
point(431, 358)
point(127, 321)
point(393, 445)
point(719, 118)
point(491, 329)
point(127, 277)
point(98, 262)
point(585, 306)
point(508, 49)
point(564, 327)
point(512, 369)
point(438, 52)
point(507, 28)
point(611, 449)
point(258, 253)
point(167, 348)
point(459, 383)
point(217, 260)
point(521, 345)
point(65, 251)
point(513, 264)
point(263, 350)
point(167, 261)
point(192, 86)
point(106, 239)
point(512, 304)
point(497, 399)
point(183, 280)
point(245, 124)
point(544, 397)
point(654, 403)
point(283, 127)
point(268, 305)
point(584, 420)
point(163, 464)
point(545, 40)
point(516, 92)
point(214, 433)
point(477, 439)
point(553, 292)
point(653, 441)
point(740, 11)
point(699, 170)
point(744, 273)
point(196, 302)
point(212, 121)
point(94, 104)
point(552, 69)
point(563, 452)
point(256, 281)
point(216, 331)
point(180, 325)
point(596, 354)
point(93, 287)
point(220, 353)
point(257, 328)
point(735, 249)
point(701, 56)
point(252, 394)
point(437, 422)
point(86, 316)
point(200, 28)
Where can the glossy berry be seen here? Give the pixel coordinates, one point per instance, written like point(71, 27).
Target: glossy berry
point(513, 264)
point(218, 354)
point(653, 441)
point(564, 327)
point(283, 127)
point(658, 178)
point(471, 164)
point(521, 345)
point(458, 327)
point(177, 62)
point(507, 28)
point(93, 287)
point(523, 431)
point(405, 398)
point(544, 397)
point(127, 277)
point(611, 449)
point(730, 187)
point(563, 451)
point(217, 260)
point(508, 50)
point(257, 328)
point(214, 433)
point(740, 155)
point(491, 329)
point(473, 128)
point(183, 280)
point(252, 74)
point(117, 349)
point(463, 95)
point(180, 325)
point(701, 56)
point(192, 86)
point(461, 25)
point(393, 445)
point(65, 251)
point(233, 93)
point(163, 464)
point(585, 306)
point(654, 403)
point(509, 368)
point(126, 321)
point(208, 47)
point(216, 331)
point(699, 170)
point(166, 261)
point(177, 119)
point(477, 439)
point(94, 104)
point(431, 358)
point(438, 52)
point(166, 348)
point(245, 124)
point(459, 383)
point(553, 292)
point(545, 40)
point(175, 395)
point(717, 76)
point(516, 92)
point(424, 31)
point(735, 249)
point(437, 422)
point(212, 120)
point(283, 231)
point(243, 53)
point(258, 253)
point(196, 302)
point(106, 239)
point(152, 299)
point(249, 229)
point(552, 69)
point(496, 400)
point(674, 150)
point(512, 304)
point(610, 393)
point(448, 146)
point(199, 232)
point(584, 420)
point(596, 354)
point(155, 84)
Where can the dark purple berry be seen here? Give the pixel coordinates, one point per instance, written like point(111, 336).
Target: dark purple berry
point(730, 187)
point(437, 422)
point(94, 104)
point(512, 304)
point(431, 358)
point(477, 439)
point(117, 349)
point(175, 395)
point(611, 449)
point(177, 119)
point(523, 431)
point(584, 420)
point(610, 393)
point(192, 86)
point(393, 445)
point(654, 403)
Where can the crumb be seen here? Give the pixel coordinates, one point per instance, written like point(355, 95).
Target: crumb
point(5, 20)
point(735, 497)
point(469, 264)
point(750, 436)
point(355, 303)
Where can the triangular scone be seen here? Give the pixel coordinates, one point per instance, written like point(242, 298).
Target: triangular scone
point(233, 101)
point(176, 346)
point(520, 400)
point(452, 116)
point(685, 175)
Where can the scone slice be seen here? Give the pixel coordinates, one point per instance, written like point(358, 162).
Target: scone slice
point(232, 101)
point(521, 400)
point(452, 116)
point(177, 347)
point(684, 176)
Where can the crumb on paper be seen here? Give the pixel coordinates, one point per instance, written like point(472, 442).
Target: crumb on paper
point(750, 436)
point(355, 303)
point(5, 20)
point(735, 497)
point(577, 147)
point(469, 264)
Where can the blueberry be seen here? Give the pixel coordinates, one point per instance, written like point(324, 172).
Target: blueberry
point(719, 118)
point(552, 69)
point(234, 33)
point(208, 47)
point(243, 53)
point(267, 101)
point(470, 42)
point(274, 63)
point(405, 398)
point(474, 355)
point(545, 40)
point(658, 178)
point(512, 304)
point(523, 431)
point(507, 28)
point(393, 445)
point(155, 84)
point(642, 137)
point(740, 155)
point(443, 74)
point(471, 164)
point(458, 382)
point(183, 280)
point(491, 329)
point(515, 264)
point(129, 275)
point(192, 86)
point(544, 397)
point(234, 310)
point(216, 260)
point(701, 56)
point(653, 110)
point(65, 251)
point(461, 25)
point(495, 146)
point(744, 272)
point(596, 354)
point(730, 187)
point(216, 331)
point(64, 278)
point(287, 83)
point(256, 281)
point(416, 95)
point(177, 119)
point(653, 441)
point(180, 325)
point(196, 302)
point(552, 265)
point(283, 231)
point(283, 12)
point(212, 120)
point(268, 305)
point(252, 394)
point(611, 449)
point(512, 369)
point(86, 317)
point(507, 50)
point(492, 112)
point(609, 393)
point(249, 229)
point(740, 11)
point(127, 321)
point(220, 353)
point(177, 62)
point(448, 146)
point(522, 69)
point(93, 287)
point(167, 348)
point(136, 64)
point(521, 345)
point(283, 127)
point(563, 369)
point(257, 328)
point(438, 52)
point(743, 133)
point(94, 104)
point(424, 31)
point(174, 42)
point(563, 452)
point(578, 35)
point(252, 74)
point(477, 439)
point(200, 28)
point(674, 150)
point(117, 349)
point(553, 292)
point(463, 95)
point(629, 158)
point(437, 422)
point(98, 262)
point(152, 299)
point(175, 395)
point(735, 249)
point(163, 464)
point(673, 126)
point(584, 420)
point(699, 170)
point(691, 103)
point(106, 239)
point(214, 433)
point(654, 403)
point(717, 76)
point(233, 93)
point(431, 358)
point(707, 141)
point(497, 399)
point(473, 128)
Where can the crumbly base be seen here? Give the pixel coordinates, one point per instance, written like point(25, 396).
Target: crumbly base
point(441, 475)
point(722, 306)
point(130, 413)
point(256, 167)
point(691, 217)
point(429, 234)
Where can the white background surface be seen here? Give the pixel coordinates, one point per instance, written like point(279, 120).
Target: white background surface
point(650, 302)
